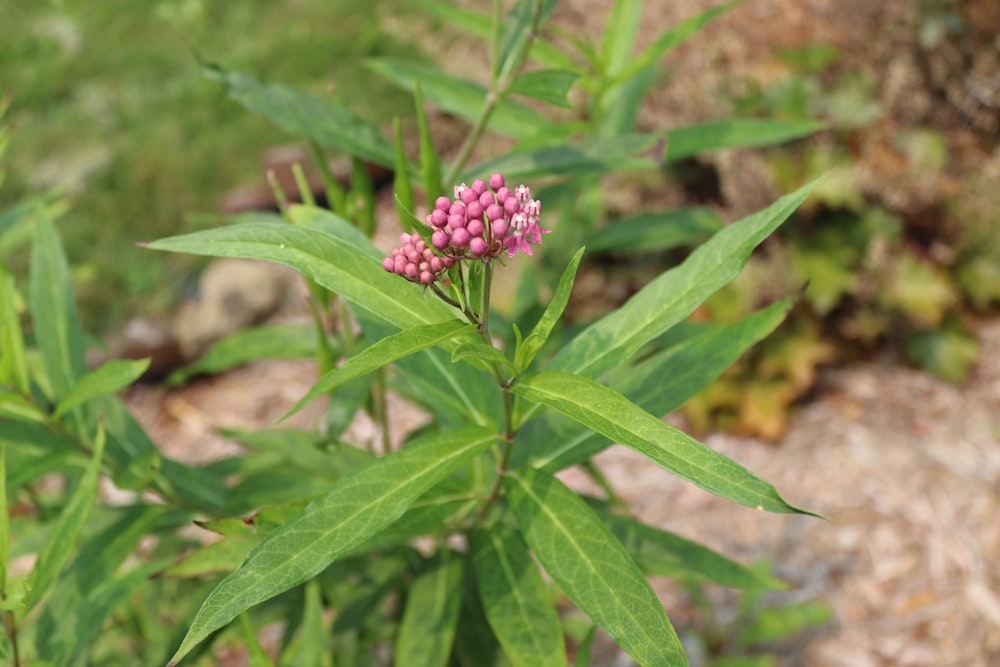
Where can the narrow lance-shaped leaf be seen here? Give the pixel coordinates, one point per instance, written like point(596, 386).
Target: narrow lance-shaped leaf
point(549, 85)
point(429, 620)
point(620, 420)
point(360, 505)
point(618, 39)
point(662, 553)
point(4, 520)
point(59, 547)
point(256, 655)
point(13, 359)
point(516, 32)
point(556, 442)
point(530, 346)
point(308, 648)
point(655, 232)
point(53, 309)
point(683, 142)
point(515, 598)
point(460, 97)
point(385, 351)
point(671, 297)
point(106, 379)
point(592, 567)
point(430, 163)
point(324, 121)
point(401, 179)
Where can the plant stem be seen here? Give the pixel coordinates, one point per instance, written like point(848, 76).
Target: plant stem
point(10, 625)
point(380, 411)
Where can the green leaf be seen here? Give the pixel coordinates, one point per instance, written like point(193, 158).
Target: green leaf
point(515, 598)
point(256, 655)
point(308, 649)
point(516, 34)
point(480, 351)
point(401, 180)
point(13, 358)
point(359, 506)
point(427, 630)
point(382, 353)
point(460, 97)
point(324, 121)
point(656, 232)
point(592, 567)
point(343, 260)
point(215, 558)
point(430, 163)
point(601, 155)
point(16, 406)
point(85, 594)
point(772, 625)
point(106, 379)
point(620, 420)
point(609, 342)
point(549, 85)
point(530, 346)
point(272, 341)
point(557, 442)
point(4, 520)
point(59, 547)
point(686, 141)
point(53, 310)
point(664, 554)
point(618, 39)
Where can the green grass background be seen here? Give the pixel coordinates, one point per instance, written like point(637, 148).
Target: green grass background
point(109, 106)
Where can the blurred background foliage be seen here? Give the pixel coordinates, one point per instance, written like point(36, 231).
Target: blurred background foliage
point(110, 108)
point(900, 246)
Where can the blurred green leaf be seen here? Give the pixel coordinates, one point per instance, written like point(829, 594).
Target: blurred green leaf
point(547, 85)
point(654, 232)
point(431, 613)
point(516, 32)
point(686, 141)
point(603, 155)
point(324, 121)
point(460, 97)
point(618, 39)
point(918, 289)
point(979, 277)
point(359, 506)
point(53, 309)
point(308, 648)
point(772, 625)
point(592, 567)
point(256, 655)
point(16, 406)
point(949, 352)
point(4, 520)
point(59, 547)
point(215, 558)
point(515, 599)
point(106, 379)
point(13, 357)
point(430, 163)
point(269, 341)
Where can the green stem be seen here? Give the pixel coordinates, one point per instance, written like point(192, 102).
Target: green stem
point(380, 411)
point(10, 625)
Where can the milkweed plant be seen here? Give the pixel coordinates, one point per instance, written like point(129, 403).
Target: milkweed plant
point(461, 546)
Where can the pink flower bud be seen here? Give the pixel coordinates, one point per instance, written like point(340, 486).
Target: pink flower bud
point(494, 212)
point(411, 271)
point(439, 240)
point(442, 203)
point(460, 238)
point(477, 245)
point(500, 227)
point(438, 218)
point(475, 210)
point(478, 186)
point(448, 262)
point(388, 264)
point(458, 208)
point(496, 182)
point(404, 238)
point(437, 266)
point(426, 277)
point(475, 227)
point(503, 194)
point(486, 199)
point(511, 206)
point(469, 196)
point(456, 221)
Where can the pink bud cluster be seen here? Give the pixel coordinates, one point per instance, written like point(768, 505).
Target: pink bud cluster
point(480, 222)
point(415, 261)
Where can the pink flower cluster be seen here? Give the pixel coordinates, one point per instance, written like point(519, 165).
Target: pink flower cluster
point(479, 223)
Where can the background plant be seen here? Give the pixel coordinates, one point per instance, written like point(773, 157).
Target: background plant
point(313, 522)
